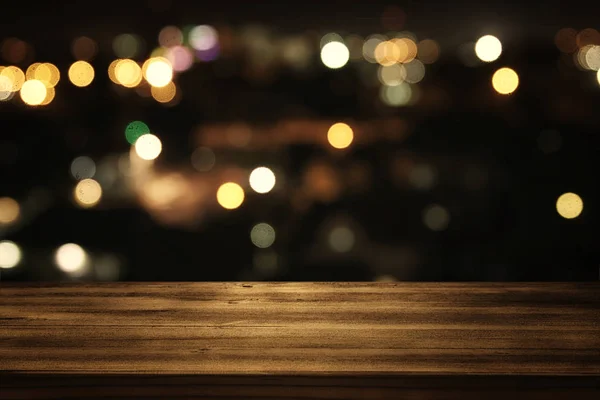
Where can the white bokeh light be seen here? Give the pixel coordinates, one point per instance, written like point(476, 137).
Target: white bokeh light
point(488, 48)
point(262, 180)
point(148, 147)
point(335, 55)
point(71, 258)
point(10, 254)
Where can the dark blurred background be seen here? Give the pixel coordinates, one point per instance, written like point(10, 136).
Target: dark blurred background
point(411, 141)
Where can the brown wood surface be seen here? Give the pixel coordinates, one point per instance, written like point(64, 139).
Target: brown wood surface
point(300, 340)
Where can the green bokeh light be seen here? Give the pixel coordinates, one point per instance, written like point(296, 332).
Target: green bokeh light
point(134, 130)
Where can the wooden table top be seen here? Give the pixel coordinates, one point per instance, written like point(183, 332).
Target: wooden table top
point(365, 330)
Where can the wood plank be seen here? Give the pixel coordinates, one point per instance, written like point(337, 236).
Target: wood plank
point(334, 340)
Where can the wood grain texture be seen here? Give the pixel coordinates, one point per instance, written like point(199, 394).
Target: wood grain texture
point(299, 340)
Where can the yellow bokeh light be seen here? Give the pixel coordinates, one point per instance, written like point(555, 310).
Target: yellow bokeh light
point(340, 135)
point(87, 193)
point(488, 48)
point(81, 73)
point(50, 93)
point(33, 92)
point(128, 73)
point(335, 55)
point(16, 77)
point(148, 147)
point(569, 205)
point(598, 77)
point(44, 72)
point(158, 71)
point(164, 94)
point(262, 180)
point(9, 210)
point(111, 70)
point(392, 75)
point(408, 49)
point(505, 81)
point(71, 258)
point(389, 52)
point(230, 195)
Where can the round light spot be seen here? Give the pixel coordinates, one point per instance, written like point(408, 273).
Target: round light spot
point(10, 254)
point(84, 48)
point(488, 48)
point(569, 205)
point(230, 195)
point(158, 71)
point(505, 81)
point(128, 73)
point(9, 210)
point(428, 51)
point(335, 55)
point(71, 258)
point(134, 130)
point(33, 92)
point(165, 93)
point(203, 37)
point(83, 168)
point(203, 159)
point(262, 235)
point(262, 180)
point(340, 135)
point(341, 239)
point(436, 217)
point(87, 193)
point(148, 147)
point(396, 96)
point(81, 73)
point(15, 75)
point(392, 75)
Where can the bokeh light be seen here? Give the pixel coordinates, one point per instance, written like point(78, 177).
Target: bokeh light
point(71, 258)
point(10, 254)
point(128, 73)
point(164, 94)
point(47, 73)
point(6, 92)
point(203, 37)
point(33, 92)
point(415, 71)
point(15, 50)
point(148, 147)
point(396, 96)
point(428, 51)
point(335, 55)
point(158, 71)
point(203, 159)
point(370, 45)
point(87, 193)
point(340, 135)
point(134, 130)
point(180, 57)
point(262, 235)
point(170, 36)
point(341, 239)
point(9, 210)
point(262, 180)
point(230, 195)
point(488, 48)
point(392, 75)
point(127, 45)
point(566, 40)
point(15, 75)
point(436, 217)
point(84, 48)
point(81, 73)
point(83, 167)
point(505, 80)
point(569, 205)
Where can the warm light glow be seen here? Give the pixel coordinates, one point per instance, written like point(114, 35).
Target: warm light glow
point(488, 48)
point(569, 205)
point(598, 77)
point(10, 254)
point(341, 239)
point(33, 92)
point(87, 193)
point(71, 258)
point(340, 135)
point(505, 81)
point(158, 71)
point(428, 51)
point(262, 180)
point(392, 75)
point(262, 235)
point(396, 96)
point(50, 93)
point(15, 75)
point(9, 210)
point(230, 195)
point(436, 217)
point(81, 73)
point(335, 55)
point(128, 73)
point(164, 94)
point(46, 73)
point(148, 147)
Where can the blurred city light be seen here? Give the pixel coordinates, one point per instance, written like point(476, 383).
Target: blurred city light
point(33, 92)
point(83, 168)
point(436, 217)
point(10, 254)
point(335, 55)
point(72, 259)
point(148, 147)
point(87, 193)
point(81, 73)
point(262, 235)
point(158, 71)
point(128, 73)
point(569, 205)
point(341, 239)
point(262, 180)
point(505, 81)
point(9, 210)
point(340, 135)
point(230, 195)
point(488, 48)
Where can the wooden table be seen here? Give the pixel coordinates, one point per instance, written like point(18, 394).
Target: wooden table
point(300, 341)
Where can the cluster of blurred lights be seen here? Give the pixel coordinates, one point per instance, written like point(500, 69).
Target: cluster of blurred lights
point(583, 46)
point(36, 85)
